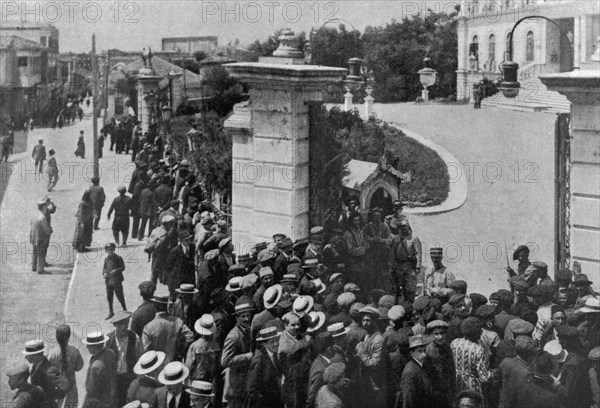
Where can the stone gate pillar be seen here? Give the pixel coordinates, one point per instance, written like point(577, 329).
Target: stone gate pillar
point(270, 148)
point(582, 89)
point(147, 82)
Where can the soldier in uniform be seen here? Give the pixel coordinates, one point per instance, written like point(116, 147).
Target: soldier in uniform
point(40, 238)
point(439, 277)
point(406, 260)
point(121, 205)
point(98, 198)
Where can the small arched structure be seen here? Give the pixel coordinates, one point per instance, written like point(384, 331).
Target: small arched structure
point(373, 183)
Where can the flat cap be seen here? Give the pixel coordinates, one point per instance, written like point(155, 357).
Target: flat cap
point(437, 324)
point(237, 270)
point(485, 311)
point(147, 288)
point(355, 309)
point(459, 285)
point(266, 255)
point(519, 327)
point(266, 271)
point(351, 287)
point(370, 310)
point(346, 299)
point(120, 317)
point(396, 313)
point(421, 303)
point(456, 299)
point(594, 354)
point(18, 368)
point(386, 301)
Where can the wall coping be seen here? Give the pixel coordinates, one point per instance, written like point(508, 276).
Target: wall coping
point(284, 73)
point(575, 85)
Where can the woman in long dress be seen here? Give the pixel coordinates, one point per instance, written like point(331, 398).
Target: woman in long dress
point(80, 152)
point(85, 223)
point(67, 359)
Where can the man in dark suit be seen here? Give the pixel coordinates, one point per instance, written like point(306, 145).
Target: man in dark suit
point(39, 155)
point(417, 387)
point(172, 395)
point(39, 237)
point(98, 198)
point(43, 374)
point(100, 382)
point(121, 205)
point(327, 355)
point(27, 395)
point(264, 376)
point(184, 307)
point(145, 312)
point(181, 263)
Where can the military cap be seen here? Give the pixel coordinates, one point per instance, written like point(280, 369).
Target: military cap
point(518, 282)
point(436, 251)
point(437, 324)
point(346, 299)
point(266, 255)
point(459, 285)
point(485, 311)
point(18, 368)
point(396, 313)
point(456, 299)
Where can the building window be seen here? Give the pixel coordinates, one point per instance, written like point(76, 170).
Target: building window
point(474, 47)
point(22, 61)
point(492, 52)
point(43, 41)
point(529, 47)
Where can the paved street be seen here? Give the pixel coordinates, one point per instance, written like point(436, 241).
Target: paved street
point(508, 160)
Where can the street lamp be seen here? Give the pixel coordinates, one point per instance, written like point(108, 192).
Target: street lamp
point(509, 84)
point(167, 112)
point(428, 77)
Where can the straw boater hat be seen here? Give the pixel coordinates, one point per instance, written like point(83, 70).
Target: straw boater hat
point(234, 284)
point(205, 326)
point(290, 278)
point(173, 373)
point(187, 289)
point(148, 362)
point(162, 298)
point(136, 404)
point(317, 320)
point(94, 338)
point(272, 296)
point(303, 304)
point(200, 388)
point(268, 333)
point(334, 276)
point(310, 263)
point(34, 347)
point(436, 251)
point(337, 329)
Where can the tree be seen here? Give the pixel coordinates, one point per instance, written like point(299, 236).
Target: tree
point(333, 47)
point(224, 90)
point(199, 56)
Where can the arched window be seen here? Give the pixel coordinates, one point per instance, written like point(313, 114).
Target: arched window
point(474, 47)
point(492, 47)
point(529, 47)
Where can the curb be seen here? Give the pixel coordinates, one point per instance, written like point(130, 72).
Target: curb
point(69, 289)
point(458, 190)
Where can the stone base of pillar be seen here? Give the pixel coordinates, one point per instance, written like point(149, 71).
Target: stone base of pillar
point(369, 105)
point(348, 101)
point(425, 95)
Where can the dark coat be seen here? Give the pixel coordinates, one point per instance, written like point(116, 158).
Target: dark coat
point(536, 392)
point(45, 376)
point(131, 353)
point(161, 399)
point(416, 388)
point(147, 203)
point(143, 389)
point(143, 315)
point(162, 196)
point(237, 343)
point(113, 269)
point(136, 197)
point(280, 266)
point(264, 380)
point(188, 314)
point(182, 268)
point(100, 382)
point(28, 396)
point(513, 370)
point(98, 196)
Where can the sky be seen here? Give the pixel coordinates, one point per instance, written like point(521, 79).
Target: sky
point(133, 25)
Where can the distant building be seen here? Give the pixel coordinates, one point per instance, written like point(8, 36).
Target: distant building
point(190, 45)
point(538, 46)
point(44, 35)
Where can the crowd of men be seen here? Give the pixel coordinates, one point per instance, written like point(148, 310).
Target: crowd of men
point(334, 320)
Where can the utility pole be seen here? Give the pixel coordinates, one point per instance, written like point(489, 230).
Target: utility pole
point(106, 89)
point(94, 107)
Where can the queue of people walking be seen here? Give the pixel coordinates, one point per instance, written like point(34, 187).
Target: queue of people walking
point(347, 317)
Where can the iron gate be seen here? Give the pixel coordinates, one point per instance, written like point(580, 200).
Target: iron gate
point(562, 180)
